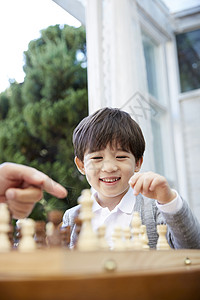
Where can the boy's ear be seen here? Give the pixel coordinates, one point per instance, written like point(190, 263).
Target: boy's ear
point(138, 164)
point(80, 165)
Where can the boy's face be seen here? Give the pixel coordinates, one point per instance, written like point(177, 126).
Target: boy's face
point(108, 171)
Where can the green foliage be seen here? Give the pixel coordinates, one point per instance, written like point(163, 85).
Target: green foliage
point(37, 117)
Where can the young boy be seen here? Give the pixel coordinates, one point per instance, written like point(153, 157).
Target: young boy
point(109, 147)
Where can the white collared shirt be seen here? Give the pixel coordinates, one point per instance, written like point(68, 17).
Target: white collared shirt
point(122, 214)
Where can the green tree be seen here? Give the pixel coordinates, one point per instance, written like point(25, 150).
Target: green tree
point(37, 117)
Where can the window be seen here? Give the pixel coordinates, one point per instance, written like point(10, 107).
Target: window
point(188, 47)
point(158, 146)
point(153, 62)
point(154, 47)
point(151, 53)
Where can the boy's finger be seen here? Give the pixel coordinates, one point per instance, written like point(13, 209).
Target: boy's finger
point(134, 178)
point(155, 182)
point(147, 181)
point(138, 186)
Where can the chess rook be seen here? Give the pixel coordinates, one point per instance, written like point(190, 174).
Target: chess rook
point(162, 243)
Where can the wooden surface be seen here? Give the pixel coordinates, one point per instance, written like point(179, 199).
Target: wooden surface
point(61, 274)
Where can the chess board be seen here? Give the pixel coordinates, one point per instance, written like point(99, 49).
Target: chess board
point(66, 274)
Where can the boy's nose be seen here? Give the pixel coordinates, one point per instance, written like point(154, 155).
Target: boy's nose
point(109, 166)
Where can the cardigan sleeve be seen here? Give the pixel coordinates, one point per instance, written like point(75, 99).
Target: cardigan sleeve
point(183, 228)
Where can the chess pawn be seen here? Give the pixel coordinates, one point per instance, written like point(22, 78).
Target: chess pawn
point(27, 242)
point(5, 244)
point(55, 216)
point(49, 229)
point(162, 243)
point(40, 234)
point(136, 231)
point(65, 236)
point(53, 228)
point(101, 231)
point(53, 235)
point(127, 236)
point(87, 240)
point(118, 243)
point(144, 238)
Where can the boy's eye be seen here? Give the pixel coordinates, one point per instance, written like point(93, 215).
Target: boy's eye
point(121, 156)
point(97, 157)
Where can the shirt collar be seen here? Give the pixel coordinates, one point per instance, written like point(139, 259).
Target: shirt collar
point(126, 204)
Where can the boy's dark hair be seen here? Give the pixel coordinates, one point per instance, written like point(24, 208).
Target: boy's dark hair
point(108, 126)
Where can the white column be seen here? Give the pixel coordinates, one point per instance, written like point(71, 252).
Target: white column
point(93, 11)
point(116, 65)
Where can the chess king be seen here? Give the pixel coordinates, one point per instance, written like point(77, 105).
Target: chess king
point(109, 147)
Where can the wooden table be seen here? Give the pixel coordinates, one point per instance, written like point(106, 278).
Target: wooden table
point(62, 274)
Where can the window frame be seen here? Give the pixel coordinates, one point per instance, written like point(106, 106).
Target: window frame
point(160, 38)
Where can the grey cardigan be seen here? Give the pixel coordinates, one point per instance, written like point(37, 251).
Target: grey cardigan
point(183, 227)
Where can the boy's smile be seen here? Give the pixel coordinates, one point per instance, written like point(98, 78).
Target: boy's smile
point(110, 180)
point(108, 171)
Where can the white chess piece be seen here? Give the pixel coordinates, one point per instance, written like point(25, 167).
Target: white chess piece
point(5, 245)
point(87, 240)
point(136, 231)
point(27, 242)
point(144, 238)
point(101, 231)
point(118, 243)
point(162, 243)
point(127, 235)
point(49, 229)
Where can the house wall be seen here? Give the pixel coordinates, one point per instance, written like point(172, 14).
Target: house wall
point(190, 113)
point(189, 107)
point(117, 77)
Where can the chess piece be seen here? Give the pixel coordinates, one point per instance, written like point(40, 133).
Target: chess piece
point(78, 224)
point(87, 240)
point(127, 236)
point(55, 216)
point(40, 234)
point(53, 228)
point(11, 234)
point(18, 234)
point(162, 243)
point(144, 238)
point(53, 235)
point(101, 231)
point(118, 244)
point(27, 242)
point(65, 236)
point(136, 223)
point(5, 244)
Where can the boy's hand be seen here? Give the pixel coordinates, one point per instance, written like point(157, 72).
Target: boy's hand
point(153, 186)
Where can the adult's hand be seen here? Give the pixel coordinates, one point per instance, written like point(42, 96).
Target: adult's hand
point(22, 186)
